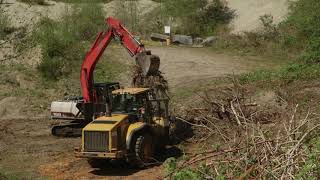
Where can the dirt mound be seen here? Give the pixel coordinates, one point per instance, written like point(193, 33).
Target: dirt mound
point(249, 11)
point(22, 14)
point(10, 107)
point(143, 6)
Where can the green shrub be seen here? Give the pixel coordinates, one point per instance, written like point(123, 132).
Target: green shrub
point(44, 3)
point(38, 2)
point(304, 18)
point(213, 14)
point(312, 51)
point(84, 1)
point(108, 69)
point(303, 22)
point(196, 17)
point(299, 34)
point(5, 28)
point(186, 173)
point(311, 168)
point(64, 43)
point(286, 74)
point(170, 166)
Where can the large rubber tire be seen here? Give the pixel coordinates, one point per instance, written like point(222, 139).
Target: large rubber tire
point(142, 152)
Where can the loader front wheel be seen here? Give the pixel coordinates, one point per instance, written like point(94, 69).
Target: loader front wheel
point(143, 151)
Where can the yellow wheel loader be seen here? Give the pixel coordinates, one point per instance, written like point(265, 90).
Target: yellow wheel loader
point(138, 125)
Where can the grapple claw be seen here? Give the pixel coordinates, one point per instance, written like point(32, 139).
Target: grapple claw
point(148, 63)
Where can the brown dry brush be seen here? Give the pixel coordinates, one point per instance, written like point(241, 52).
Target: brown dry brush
point(255, 141)
point(156, 82)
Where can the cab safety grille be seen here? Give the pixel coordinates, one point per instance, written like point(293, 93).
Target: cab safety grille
point(96, 141)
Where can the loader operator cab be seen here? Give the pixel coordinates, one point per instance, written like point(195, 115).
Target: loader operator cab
point(131, 101)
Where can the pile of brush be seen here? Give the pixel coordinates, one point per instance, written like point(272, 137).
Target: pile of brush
point(156, 82)
point(246, 140)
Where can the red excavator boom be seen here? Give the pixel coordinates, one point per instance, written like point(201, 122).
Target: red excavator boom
point(148, 63)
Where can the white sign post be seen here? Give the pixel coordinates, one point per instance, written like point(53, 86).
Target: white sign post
point(167, 30)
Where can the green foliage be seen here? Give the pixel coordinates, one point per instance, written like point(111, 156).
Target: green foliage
point(312, 52)
point(311, 168)
point(298, 34)
point(303, 22)
point(187, 173)
point(44, 3)
point(5, 28)
point(268, 41)
point(128, 13)
point(10, 174)
point(197, 17)
point(84, 1)
point(286, 74)
point(6, 176)
point(170, 165)
point(108, 70)
point(304, 18)
point(213, 14)
point(64, 43)
point(38, 2)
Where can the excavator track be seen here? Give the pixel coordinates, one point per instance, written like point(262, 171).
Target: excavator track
point(68, 130)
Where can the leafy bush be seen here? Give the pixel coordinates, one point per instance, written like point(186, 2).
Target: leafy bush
point(5, 28)
point(44, 3)
point(170, 168)
point(286, 74)
point(64, 43)
point(303, 22)
point(197, 17)
point(109, 70)
point(304, 18)
point(311, 167)
point(38, 2)
point(213, 14)
point(301, 30)
point(84, 1)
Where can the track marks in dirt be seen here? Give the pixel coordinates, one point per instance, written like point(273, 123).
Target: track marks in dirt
point(70, 167)
point(26, 145)
point(185, 65)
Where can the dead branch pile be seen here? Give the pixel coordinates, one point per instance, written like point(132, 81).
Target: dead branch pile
point(227, 110)
point(249, 141)
point(232, 104)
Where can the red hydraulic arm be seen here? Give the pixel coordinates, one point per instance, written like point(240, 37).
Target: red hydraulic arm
point(116, 30)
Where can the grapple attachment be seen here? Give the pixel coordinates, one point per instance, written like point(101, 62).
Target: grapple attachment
point(148, 63)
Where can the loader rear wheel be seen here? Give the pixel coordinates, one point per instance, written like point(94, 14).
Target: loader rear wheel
point(143, 151)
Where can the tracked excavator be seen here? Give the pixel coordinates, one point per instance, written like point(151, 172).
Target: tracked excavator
point(117, 123)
